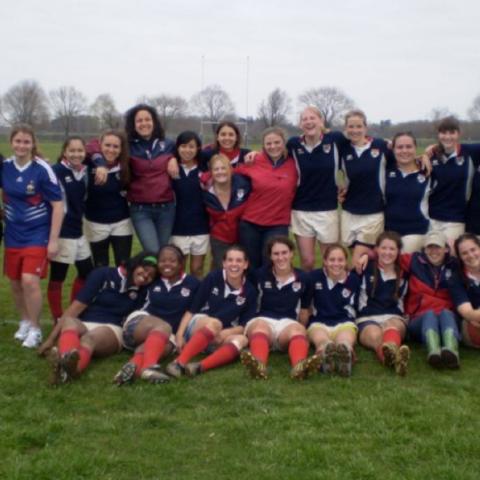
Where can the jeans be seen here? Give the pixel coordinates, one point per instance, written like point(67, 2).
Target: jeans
point(254, 239)
point(153, 223)
point(437, 322)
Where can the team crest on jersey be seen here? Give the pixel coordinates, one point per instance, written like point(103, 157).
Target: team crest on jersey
point(296, 286)
point(435, 163)
point(448, 273)
point(327, 148)
point(267, 285)
point(185, 292)
point(374, 152)
point(117, 175)
point(318, 286)
point(68, 179)
point(215, 291)
point(162, 146)
point(158, 288)
point(30, 190)
point(240, 193)
point(349, 157)
point(240, 300)
point(460, 161)
point(300, 151)
point(392, 174)
point(421, 179)
point(346, 293)
point(133, 295)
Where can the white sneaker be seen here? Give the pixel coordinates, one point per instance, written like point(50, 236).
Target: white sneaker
point(34, 338)
point(23, 329)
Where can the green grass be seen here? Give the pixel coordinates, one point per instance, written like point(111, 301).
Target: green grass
point(224, 425)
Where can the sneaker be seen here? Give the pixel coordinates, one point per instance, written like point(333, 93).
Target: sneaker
point(255, 367)
point(450, 358)
point(344, 360)
point(304, 368)
point(329, 358)
point(126, 374)
point(154, 375)
point(401, 360)
point(175, 370)
point(23, 329)
point(193, 369)
point(389, 351)
point(33, 338)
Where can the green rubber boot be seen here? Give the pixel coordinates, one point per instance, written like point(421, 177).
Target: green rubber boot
point(432, 340)
point(450, 356)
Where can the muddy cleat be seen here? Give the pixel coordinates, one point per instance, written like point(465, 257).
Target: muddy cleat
point(329, 358)
point(193, 369)
point(154, 375)
point(63, 368)
point(389, 351)
point(306, 367)
point(401, 360)
point(449, 358)
point(22, 332)
point(126, 374)
point(255, 367)
point(175, 370)
point(344, 360)
point(56, 371)
point(69, 362)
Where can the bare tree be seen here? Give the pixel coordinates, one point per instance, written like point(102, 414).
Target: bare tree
point(213, 103)
point(106, 112)
point(331, 101)
point(439, 113)
point(275, 108)
point(169, 107)
point(474, 110)
point(67, 103)
point(25, 102)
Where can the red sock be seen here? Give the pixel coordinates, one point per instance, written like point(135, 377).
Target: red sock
point(69, 340)
point(54, 295)
point(85, 356)
point(227, 353)
point(137, 359)
point(297, 349)
point(260, 347)
point(392, 335)
point(198, 343)
point(77, 285)
point(153, 348)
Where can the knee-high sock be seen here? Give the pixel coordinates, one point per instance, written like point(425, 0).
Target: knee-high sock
point(137, 360)
point(69, 340)
point(260, 347)
point(199, 342)
point(153, 348)
point(77, 285)
point(297, 349)
point(85, 355)
point(227, 353)
point(54, 295)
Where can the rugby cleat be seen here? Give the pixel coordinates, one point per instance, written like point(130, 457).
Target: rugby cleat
point(126, 374)
point(401, 360)
point(255, 367)
point(154, 375)
point(344, 360)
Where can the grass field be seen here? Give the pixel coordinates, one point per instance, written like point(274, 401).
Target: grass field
point(224, 425)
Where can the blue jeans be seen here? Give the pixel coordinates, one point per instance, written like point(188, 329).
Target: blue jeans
point(153, 223)
point(254, 239)
point(437, 322)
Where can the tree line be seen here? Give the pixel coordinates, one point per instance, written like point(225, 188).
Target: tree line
point(66, 110)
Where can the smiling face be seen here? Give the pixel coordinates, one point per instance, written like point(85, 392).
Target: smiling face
point(22, 145)
point(75, 152)
point(281, 257)
point(143, 275)
point(469, 252)
point(435, 254)
point(227, 138)
point(311, 123)
point(144, 124)
point(356, 130)
point(449, 140)
point(221, 171)
point(335, 263)
point(169, 264)
point(111, 147)
point(387, 252)
point(235, 264)
point(405, 150)
point(187, 151)
point(274, 145)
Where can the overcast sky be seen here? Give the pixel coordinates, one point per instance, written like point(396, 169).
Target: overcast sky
point(396, 59)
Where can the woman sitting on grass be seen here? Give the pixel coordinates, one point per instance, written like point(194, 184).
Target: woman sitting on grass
point(224, 303)
point(381, 321)
point(332, 327)
point(150, 331)
point(91, 326)
point(284, 294)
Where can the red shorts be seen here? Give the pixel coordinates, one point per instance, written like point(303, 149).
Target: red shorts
point(32, 260)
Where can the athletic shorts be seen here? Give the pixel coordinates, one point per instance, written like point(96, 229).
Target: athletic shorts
point(115, 329)
point(333, 331)
point(452, 230)
point(324, 226)
point(276, 327)
point(379, 320)
point(192, 244)
point(129, 328)
point(412, 243)
point(71, 250)
point(31, 260)
point(362, 229)
point(96, 232)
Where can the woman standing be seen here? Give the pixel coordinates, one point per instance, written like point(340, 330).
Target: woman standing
point(106, 210)
point(33, 206)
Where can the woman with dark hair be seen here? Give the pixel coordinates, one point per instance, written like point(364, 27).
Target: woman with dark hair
point(284, 294)
point(190, 230)
point(92, 324)
point(73, 246)
point(150, 193)
point(107, 217)
point(227, 142)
